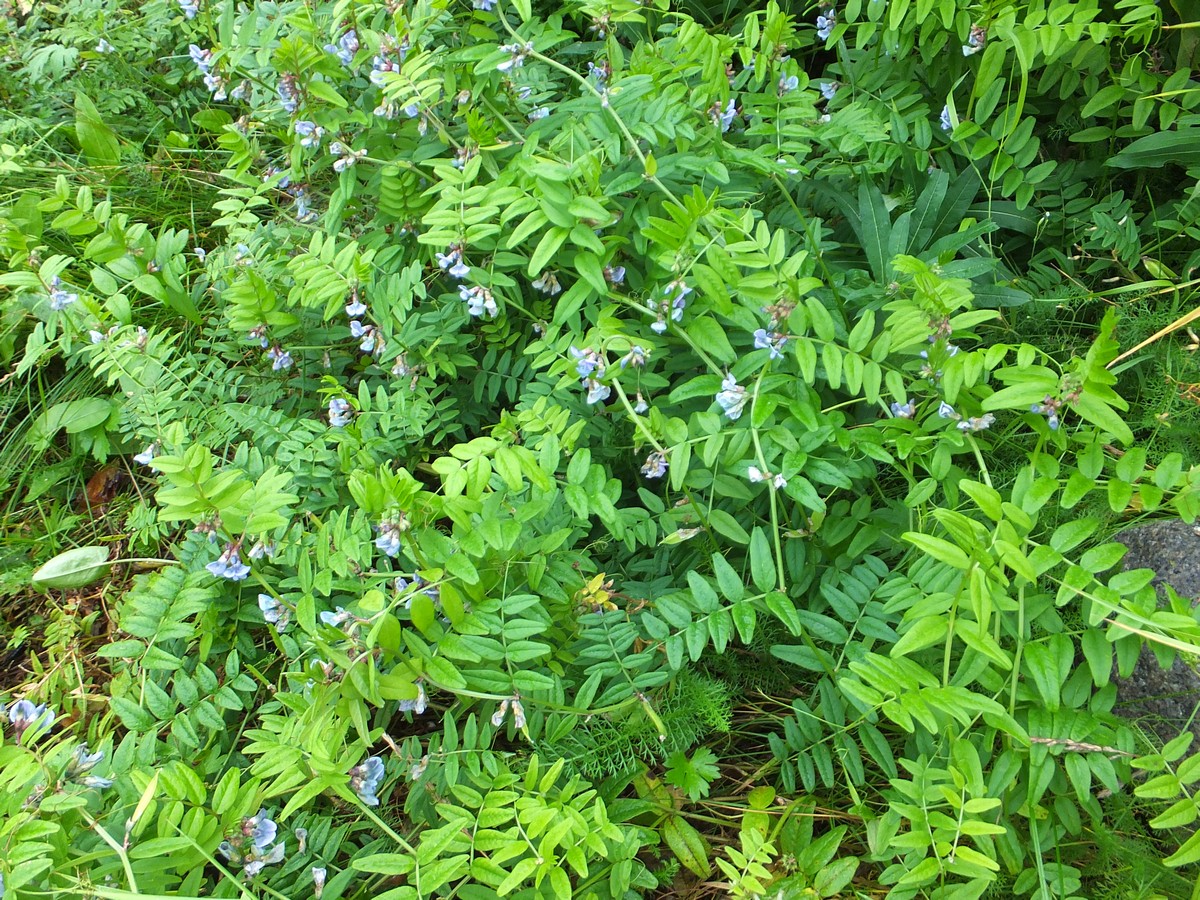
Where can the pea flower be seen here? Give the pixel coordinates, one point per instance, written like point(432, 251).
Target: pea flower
point(81, 764)
point(826, 22)
point(229, 564)
point(500, 713)
point(732, 397)
point(189, 8)
point(485, 5)
point(261, 550)
point(904, 410)
point(274, 611)
point(977, 423)
point(614, 274)
point(547, 283)
point(365, 335)
point(724, 116)
point(289, 98)
point(770, 340)
point(389, 534)
point(417, 704)
point(345, 48)
point(641, 406)
point(355, 307)
point(340, 413)
point(587, 363)
point(346, 156)
point(517, 54)
point(301, 204)
point(946, 411)
point(757, 475)
point(479, 300)
point(975, 41)
point(59, 298)
point(1048, 408)
point(538, 114)
point(251, 846)
point(336, 619)
point(104, 46)
point(596, 391)
point(147, 455)
point(655, 465)
point(310, 133)
point(280, 358)
point(366, 778)
point(828, 89)
point(259, 333)
point(452, 262)
point(24, 714)
point(944, 119)
point(636, 357)
point(318, 877)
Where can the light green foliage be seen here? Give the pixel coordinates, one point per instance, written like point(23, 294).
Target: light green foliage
point(588, 448)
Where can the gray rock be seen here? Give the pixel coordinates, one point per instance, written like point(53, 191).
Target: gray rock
point(1165, 701)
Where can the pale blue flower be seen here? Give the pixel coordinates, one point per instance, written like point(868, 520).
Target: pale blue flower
point(479, 300)
point(340, 413)
point(274, 611)
point(655, 465)
point(904, 410)
point(280, 358)
point(772, 341)
point(517, 54)
point(727, 115)
point(787, 84)
point(365, 780)
point(336, 619)
point(596, 391)
point(547, 283)
point(345, 48)
point(1049, 408)
point(944, 119)
point(147, 455)
point(828, 89)
point(81, 764)
point(318, 877)
point(104, 46)
point(310, 133)
point(977, 423)
point(416, 705)
point(59, 298)
point(389, 538)
point(24, 714)
point(614, 274)
point(229, 564)
point(288, 98)
point(826, 22)
point(636, 357)
point(732, 397)
point(946, 411)
point(189, 8)
point(588, 363)
point(485, 5)
point(355, 307)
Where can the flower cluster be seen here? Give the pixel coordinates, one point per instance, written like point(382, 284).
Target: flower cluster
point(975, 41)
point(770, 340)
point(229, 564)
point(280, 358)
point(826, 21)
point(974, 423)
point(289, 95)
point(732, 397)
point(655, 465)
point(391, 54)
point(590, 367)
point(366, 778)
point(340, 413)
point(274, 611)
point(60, 299)
point(390, 530)
point(24, 714)
point(516, 56)
point(757, 475)
point(1049, 408)
point(345, 48)
point(547, 283)
point(518, 713)
point(452, 262)
point(251, 847)
point(723, 117)
point(346, 157)
point(673, 303)
point(310, 133)
point(80, 765)
point(479, 300)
